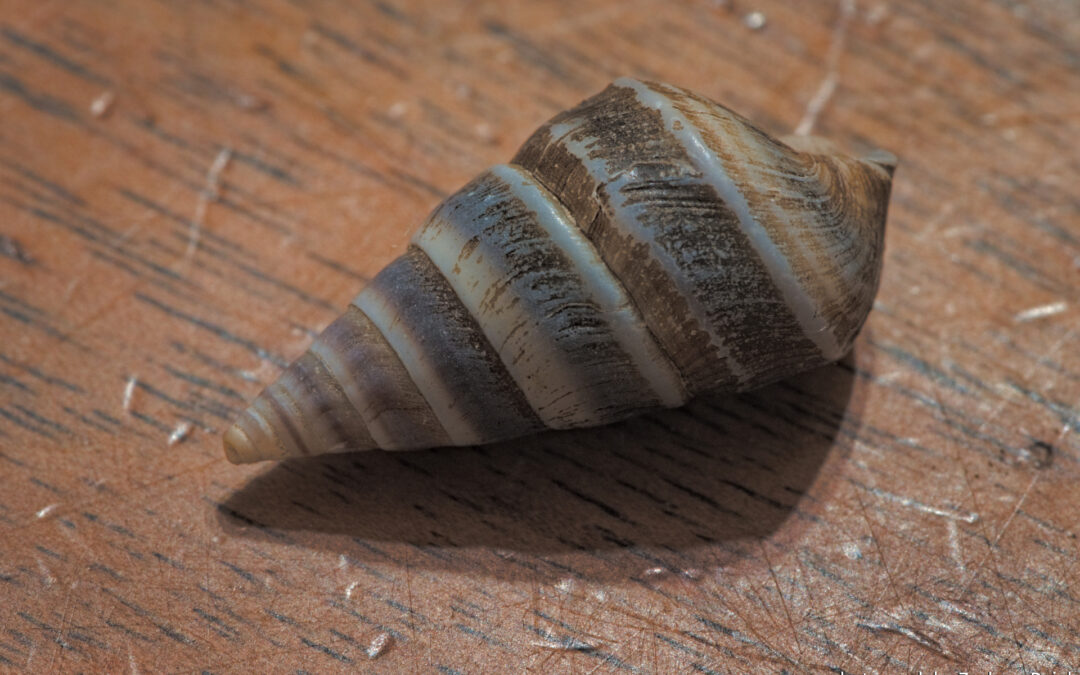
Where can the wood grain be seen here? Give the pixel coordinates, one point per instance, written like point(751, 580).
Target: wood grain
point(188, 191)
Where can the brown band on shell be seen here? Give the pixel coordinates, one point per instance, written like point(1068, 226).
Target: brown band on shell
point(561, 323)
point(330, 423)
point(614, 160)
point(377, 385)
point(809, 215)
point(447, 356)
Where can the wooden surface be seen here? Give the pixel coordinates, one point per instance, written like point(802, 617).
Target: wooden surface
point(913, 508)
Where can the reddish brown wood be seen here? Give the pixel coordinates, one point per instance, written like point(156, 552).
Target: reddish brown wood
point(913, 508)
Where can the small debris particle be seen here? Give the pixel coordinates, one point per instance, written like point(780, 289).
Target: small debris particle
point(350, 588)
point(378, 645)
point(852, 551)
point(1039, 455)
point(484, 133)
point(397, 110)
point(565, 585)
point(129, 392)
point(213, 176)
point(179, 433)
point(755, 20)
point(13, 249)
point(877, 14)
point(1041, 312)
point(653, 571)
point(102, 105)
point(46, 510)
point(47, 577)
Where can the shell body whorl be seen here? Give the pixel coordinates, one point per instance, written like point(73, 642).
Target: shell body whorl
point(641, 248)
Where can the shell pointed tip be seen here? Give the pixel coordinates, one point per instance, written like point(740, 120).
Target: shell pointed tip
point(238, 447)
point(883, 158)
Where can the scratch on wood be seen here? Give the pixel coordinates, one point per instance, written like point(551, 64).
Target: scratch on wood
point(783, 602)
point(129, 392)
point(954, 544)
point(1041, 312)
point(210, 193)
point(350, 588)
point(832, 60)
point(913, 635)
point(963, 516)
point(881, 554)
point(1005, 526)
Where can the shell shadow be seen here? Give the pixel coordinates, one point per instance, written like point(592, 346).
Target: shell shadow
point(674, 490)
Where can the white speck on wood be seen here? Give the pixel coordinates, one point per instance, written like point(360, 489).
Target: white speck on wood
point(350, 588)
point(379, 645)
point(102, 105)
point(46, 574)
point(129, 392)
point(832, 60)
point(1041, 312)
point(46, 510)
point(653, 571)
point(755, 20)
point(851, 550)
point(484, 133)
point(179, 433)
point(565, 585)
point(397, 110)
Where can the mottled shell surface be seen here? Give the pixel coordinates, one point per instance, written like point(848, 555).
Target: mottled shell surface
point(641, 248)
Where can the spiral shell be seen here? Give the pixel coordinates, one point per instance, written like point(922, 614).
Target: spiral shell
point(643, 247)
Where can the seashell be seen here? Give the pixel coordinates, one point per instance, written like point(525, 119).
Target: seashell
point(643, 247)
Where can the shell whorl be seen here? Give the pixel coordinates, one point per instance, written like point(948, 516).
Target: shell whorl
point(641, 248)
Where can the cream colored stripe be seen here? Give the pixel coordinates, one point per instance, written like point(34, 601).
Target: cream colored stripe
point(628, 222)
point(356, 394)
point(417, 362)
point(627, 326)
point(553, 388)
point(712, 167)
